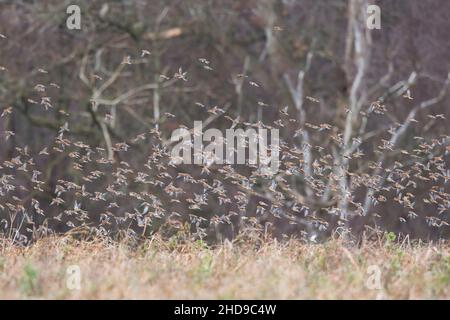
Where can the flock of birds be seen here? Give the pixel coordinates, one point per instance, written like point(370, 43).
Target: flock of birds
point(113, 196)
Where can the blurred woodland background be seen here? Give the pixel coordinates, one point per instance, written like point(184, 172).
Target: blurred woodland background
point(363, 115)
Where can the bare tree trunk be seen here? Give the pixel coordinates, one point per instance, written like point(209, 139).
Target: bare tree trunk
point(359, 36)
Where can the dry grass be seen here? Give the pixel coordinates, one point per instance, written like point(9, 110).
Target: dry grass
point(171, 270)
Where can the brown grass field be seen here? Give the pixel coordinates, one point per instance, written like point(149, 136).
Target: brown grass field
point(160, 269)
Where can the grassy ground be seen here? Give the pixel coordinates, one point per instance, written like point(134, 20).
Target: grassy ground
point(169, 270)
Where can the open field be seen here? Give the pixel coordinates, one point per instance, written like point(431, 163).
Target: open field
point(270, 270)
point(129, 130)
